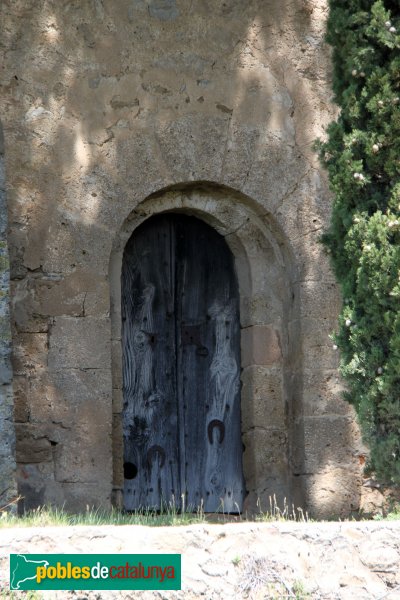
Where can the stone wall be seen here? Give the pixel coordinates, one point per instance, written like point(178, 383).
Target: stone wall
point(114, 111)
point(8, 491)
point(319, 561)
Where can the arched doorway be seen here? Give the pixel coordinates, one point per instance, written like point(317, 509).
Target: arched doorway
point(181, 367)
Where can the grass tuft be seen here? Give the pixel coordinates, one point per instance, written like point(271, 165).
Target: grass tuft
point(275, 513)
point(392, 513)
point(58, 517)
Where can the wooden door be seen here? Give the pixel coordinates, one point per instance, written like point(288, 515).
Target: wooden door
point(181, 368)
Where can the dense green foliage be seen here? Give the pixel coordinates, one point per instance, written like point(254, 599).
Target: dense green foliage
point(362, 156)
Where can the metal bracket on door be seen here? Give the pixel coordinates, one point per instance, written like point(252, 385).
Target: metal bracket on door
point(191, 336)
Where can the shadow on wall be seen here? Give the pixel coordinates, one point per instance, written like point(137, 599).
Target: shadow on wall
point(106, 105)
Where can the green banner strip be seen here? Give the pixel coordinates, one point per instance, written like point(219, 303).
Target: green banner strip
point(95, 571)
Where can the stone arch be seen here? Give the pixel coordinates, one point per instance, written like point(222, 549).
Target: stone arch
point(268, 305)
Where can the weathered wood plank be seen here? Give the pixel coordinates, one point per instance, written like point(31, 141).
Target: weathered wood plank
point(209, 367)
point(149, 378)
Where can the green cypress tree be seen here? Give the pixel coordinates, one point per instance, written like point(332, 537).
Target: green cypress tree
point(362, 155)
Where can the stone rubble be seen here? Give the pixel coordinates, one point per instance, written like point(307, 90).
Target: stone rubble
point(310, 560)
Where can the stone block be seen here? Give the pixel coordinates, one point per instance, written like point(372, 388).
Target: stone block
point(7, 451)
point(71, 248)
point(324, 442)
point(27, 315)
point(311, 337)
point(332, 493)
point(322, 393)
point(6, 372)
point(242, 147)
point(262, 398)
point(7, 445)
point(318, 299)
point(270, 176)
point(273, 498)
point(37, 487)
point(312, 260)
point(97, 300)
point(31, 487)
point(93, 495)
point(269, 287)
point(29, 353)
point(379, 557)
point(260, 345)
point(64, 397)
point(54, 298)
point(372, 500)
point(84, 454)
point(39, 397)
point(79, 459)
point(142, 155)
point(21, 399)
point(81, 293)
point(33, 444)
point(326, 357)
point(256, 309)
point(191, 148)
point(81, 343)
point(71, 411)
point(264, 456)
point(313, 332)
point(6, 404)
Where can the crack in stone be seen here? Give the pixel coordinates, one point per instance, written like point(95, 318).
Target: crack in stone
point(83, 305)
point(237, 228)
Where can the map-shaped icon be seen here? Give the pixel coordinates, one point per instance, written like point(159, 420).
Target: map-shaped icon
point(24, 570)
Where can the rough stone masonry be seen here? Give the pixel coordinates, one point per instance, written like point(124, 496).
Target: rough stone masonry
point(322, 561)
point(113, 111)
